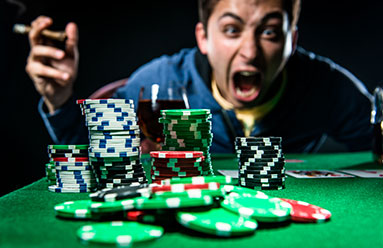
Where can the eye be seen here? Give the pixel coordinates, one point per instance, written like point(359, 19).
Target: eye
point(231, 30)
point(270, 33)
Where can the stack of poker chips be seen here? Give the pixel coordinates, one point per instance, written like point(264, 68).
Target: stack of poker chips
point(176, 164)
point(261, 163)
point(114, 141)
point(188, 130)
point(72, 168)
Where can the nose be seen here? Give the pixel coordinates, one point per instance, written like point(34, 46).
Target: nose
point(249, 47)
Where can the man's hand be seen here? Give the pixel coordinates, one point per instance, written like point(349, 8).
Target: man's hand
point(53, 71)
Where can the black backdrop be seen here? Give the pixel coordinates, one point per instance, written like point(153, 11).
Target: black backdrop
point(116, 37)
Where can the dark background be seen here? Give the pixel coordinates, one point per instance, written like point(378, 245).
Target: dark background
point(116, 37)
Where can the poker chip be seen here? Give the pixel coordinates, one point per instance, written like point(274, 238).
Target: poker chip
point(305, 212)
point(257, 205)
point(261, 162)
point(114, 138)
point(119, 233)
point(176, 154)
point(217, 221)
point(185, 112)
point(74, 209)
point(120, 193)
point(199, 180)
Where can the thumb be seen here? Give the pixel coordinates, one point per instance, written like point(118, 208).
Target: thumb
point(71, 43)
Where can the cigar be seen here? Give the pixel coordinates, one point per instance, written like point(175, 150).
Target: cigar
point(54, 35)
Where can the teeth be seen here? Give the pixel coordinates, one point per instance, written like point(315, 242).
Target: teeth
point(247, 73)
point(247, 93)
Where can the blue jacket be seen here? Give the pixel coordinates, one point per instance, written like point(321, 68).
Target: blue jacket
point(321, 99)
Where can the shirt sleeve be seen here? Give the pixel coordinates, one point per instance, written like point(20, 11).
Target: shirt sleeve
point(66, 125)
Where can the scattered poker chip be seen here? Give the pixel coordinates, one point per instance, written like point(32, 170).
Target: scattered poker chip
point(160, 202)
point(176, 154)
point(74, 209)
point(257, 205)
point(183, 187)
point(217, 221)
point(306, 212)
point(200, 180)
point(125, 192)
point(119, 233)
point(57, 189)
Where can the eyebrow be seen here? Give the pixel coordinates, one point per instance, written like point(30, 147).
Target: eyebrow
point(271, 15)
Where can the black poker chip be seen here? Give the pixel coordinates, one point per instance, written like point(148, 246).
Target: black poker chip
point(258, 148)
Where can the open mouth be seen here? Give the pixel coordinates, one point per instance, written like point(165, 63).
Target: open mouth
point(247, 85)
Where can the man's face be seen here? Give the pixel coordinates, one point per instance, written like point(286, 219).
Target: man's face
point(248, 43)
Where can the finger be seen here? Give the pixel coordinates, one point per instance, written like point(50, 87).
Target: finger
point(37, 26)
point(72, 40)
point(39, 51)
point(36, 69)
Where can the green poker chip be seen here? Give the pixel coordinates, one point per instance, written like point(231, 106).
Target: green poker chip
point(217, 221)
point(191, 193)
point(119, 233)
point(179, 121)
point(181, 112)
point(255, 204)
point(78, 147)
point(160, 202)
point(200, 180)
point(74, 209)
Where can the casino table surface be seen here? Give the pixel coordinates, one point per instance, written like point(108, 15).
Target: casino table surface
point(27, 218)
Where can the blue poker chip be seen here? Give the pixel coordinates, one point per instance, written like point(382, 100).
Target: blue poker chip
point(59, 163)
point(57, 189)
point(71, 168)
point(74, 177)
point(73, 172)
point(108, 100)
point(117, 118)
point(108, 110)
point(113, 149)
point(132, 128)
point(113, 123)
point(115, 155)
point(126, 145)
point(108, 105)
point(109, 115)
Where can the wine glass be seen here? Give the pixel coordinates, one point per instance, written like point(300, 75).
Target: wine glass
point(152, 100)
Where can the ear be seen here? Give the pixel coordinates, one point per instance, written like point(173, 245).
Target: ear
point(295, 40)
point(201, 37)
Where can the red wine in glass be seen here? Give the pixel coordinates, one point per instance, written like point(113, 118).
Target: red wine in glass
point(149, 111)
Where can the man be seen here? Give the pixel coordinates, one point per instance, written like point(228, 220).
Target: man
point(247, 70)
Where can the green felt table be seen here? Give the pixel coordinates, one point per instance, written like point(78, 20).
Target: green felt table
point(27, 218)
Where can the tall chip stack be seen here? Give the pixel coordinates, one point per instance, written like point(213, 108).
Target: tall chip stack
point(72, 169)
point(188, 130)
point(114, 141)
point(261, 162)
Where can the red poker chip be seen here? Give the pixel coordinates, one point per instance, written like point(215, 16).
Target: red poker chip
point(80, 101)
point(306, 212)
point(176, 154)
point(174, 173)
point(181, 166)
point(74, 159)
point(185, 187)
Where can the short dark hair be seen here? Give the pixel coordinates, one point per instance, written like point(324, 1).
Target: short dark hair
point(206, 7)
